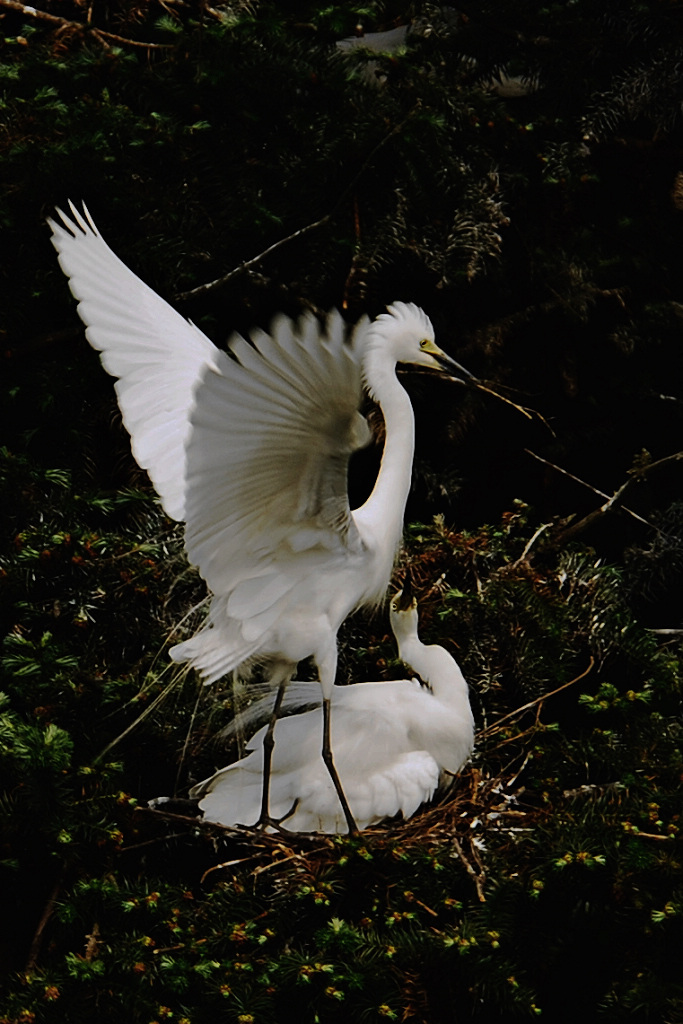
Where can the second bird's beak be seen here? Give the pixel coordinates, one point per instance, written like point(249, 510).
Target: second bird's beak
point(406, 597)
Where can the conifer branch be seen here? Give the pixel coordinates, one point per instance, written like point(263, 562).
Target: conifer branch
point(63, 23)
point(37, 941)
point(202, 289)
point(497, 726)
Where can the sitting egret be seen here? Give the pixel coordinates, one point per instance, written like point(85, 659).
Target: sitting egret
point(251, 449)
point(391, 741)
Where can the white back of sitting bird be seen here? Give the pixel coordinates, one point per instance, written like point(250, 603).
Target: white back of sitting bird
point(251, 449)
point(391, 740)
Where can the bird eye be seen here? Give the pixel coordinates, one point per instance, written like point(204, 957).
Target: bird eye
point(424, 343)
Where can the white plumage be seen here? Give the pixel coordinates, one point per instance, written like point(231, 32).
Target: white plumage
point(251, 449)
point(391, 740)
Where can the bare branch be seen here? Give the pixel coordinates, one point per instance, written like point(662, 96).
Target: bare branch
point(611, 501)
point(479, 879)
point(202, 289)
point(529, 545)
point(497, 726)
point(37, 941)
point(103, 37)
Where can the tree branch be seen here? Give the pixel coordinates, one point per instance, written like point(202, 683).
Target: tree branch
point(103, 37)
point(497, 726)
point(612, 501)
point(37, 941)
point(202, 289)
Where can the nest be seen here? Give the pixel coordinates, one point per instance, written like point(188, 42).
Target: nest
point(461, 822)
point(483, 805)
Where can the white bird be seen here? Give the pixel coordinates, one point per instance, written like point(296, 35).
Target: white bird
point(392, 741)
point(251, 450)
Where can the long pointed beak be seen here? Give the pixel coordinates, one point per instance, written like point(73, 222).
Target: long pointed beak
point(455, 370)
point(405, 598)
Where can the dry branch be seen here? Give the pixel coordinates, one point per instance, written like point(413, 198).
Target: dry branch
point(36, 943)
point(202, 289)
point(497, 726)
point(613, 501)
point(103, 37)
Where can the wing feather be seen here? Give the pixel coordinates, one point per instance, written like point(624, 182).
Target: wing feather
point(157, 355)
point(250, 447)
point(272, 431)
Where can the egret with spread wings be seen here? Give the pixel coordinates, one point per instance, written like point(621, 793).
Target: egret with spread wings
point(251, 448)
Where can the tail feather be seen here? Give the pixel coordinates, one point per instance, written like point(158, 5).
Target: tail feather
point(214, 651)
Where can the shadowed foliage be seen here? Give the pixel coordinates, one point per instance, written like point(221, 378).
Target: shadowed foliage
point(517, 170)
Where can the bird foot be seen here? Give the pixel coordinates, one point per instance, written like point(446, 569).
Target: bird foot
point(263, 824)
point(266, 821)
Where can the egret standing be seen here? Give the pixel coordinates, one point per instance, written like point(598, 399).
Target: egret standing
point(251, 449)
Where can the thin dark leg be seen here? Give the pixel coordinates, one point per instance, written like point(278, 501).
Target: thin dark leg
point(329, 763)
point(268, 744)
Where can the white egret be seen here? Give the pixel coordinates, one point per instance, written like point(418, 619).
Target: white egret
point(392, 741)
point(251, 450)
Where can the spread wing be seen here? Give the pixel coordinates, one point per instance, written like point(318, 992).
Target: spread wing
point(157, 355)
point(273, 427)
point(250, 448)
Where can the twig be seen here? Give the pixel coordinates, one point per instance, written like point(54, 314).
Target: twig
point(34, 949)
point(210, 285)
point(276, 863)
point(159, 699)
point(170, 814)
point(93, 942)
point(512, 739)
point(529, 545)
point(188, 735)
point(226, 864)
point(520, 408)
point(497, 726)
point(179, 945)
point(203, 288)
point(478, 880)
point(611, 500)
point(99, 33)
point(651, 835)
point(510, 782)
point(151, 842)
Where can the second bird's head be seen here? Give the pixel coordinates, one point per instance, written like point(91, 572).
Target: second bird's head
point(403, 611)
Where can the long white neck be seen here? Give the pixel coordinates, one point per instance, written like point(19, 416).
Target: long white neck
point(448, 734)
point(437, 667)
point(380, 518)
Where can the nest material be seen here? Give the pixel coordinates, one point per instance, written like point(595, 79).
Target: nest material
point(479, 806)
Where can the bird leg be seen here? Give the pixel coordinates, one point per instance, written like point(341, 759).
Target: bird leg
point(268, 744)
point(329, 764)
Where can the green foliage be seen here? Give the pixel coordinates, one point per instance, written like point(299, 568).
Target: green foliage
point(542, 233)
point(561, 841)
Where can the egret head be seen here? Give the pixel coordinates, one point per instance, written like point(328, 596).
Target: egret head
point(403, 611)
point(409, 333)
